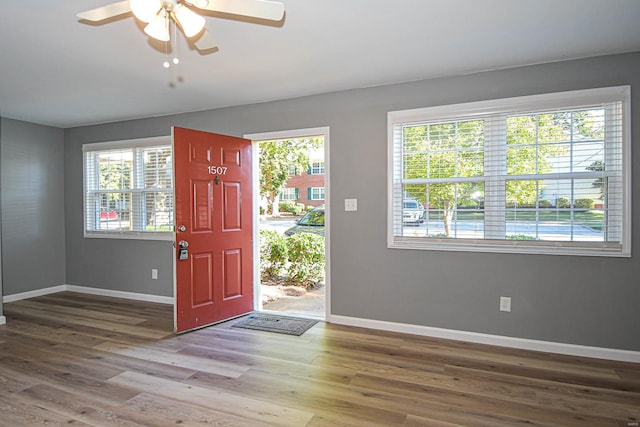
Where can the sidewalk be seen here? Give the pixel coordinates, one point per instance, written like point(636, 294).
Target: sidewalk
point(311, 303)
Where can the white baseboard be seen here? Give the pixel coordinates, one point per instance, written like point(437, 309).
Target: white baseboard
point(33, 294)
point(498, 340)
point(89, 290)
point(120, 294)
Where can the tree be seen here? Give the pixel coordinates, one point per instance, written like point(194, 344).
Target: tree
point(115, 174)
point(276, 158)
point(456, 150)
point(443, 150)
point(531, 144)
point(598, 166)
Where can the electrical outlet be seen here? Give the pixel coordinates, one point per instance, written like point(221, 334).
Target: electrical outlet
point(505, 304)
point(154, 273)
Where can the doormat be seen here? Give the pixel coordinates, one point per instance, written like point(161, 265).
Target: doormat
point(275, 323)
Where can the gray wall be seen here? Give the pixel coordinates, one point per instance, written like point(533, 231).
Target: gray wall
point(580, 300)
point(120, 265)
point(33, 234)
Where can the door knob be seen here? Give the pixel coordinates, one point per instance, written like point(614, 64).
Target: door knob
point(183, 244)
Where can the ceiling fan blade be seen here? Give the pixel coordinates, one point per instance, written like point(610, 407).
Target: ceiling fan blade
point(263, 9)
point(205, 42)
point(106, 12)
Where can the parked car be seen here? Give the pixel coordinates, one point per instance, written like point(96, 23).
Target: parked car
point(311, 222)
point(108, 215)
point(412, 212)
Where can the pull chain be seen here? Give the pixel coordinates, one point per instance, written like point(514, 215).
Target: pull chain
point(166, 64)
point(175, 44)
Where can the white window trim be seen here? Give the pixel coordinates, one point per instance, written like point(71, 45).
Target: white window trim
point(285, 190)
point(126, 235)
point(320, 190)
point(522, 104)
point(320, 168)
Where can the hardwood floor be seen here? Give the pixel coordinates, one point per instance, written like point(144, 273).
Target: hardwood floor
point(82, 360)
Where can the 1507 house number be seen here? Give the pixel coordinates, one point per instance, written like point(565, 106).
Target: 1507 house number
point(217, 170)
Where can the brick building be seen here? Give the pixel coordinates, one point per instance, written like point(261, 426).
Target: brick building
point(306, 187)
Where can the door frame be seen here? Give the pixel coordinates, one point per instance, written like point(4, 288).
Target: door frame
point(290, 134)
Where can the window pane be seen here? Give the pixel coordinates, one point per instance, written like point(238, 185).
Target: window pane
point(554, 127)
point(560, 210)
point(560, 142)
point(317, 168)
point(158, 211)
point(589, 124)
point(158, 172)
point(113, 211)
point(288, 194)
point(443, 150)
point(443, 210)
point(115, 170)
point(317, 193)
point(415, 165)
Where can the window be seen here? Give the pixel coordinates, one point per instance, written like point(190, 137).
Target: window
point(538, 174)
point(316, 193)
point(291, 170)
point(289, 194)
point(317, 168)
point(128, 189)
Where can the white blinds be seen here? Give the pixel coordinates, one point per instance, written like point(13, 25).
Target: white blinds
point(128, 190)
point(513, 173)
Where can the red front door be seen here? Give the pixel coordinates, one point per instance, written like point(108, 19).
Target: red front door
point(214, 244)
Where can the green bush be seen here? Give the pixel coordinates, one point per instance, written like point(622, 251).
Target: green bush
point(306, 258)
point(520, 237)
point(273, 253)
point(468, 204)
point(563, 203)
point(583, 203)
point(544, 203)
point(291, 207)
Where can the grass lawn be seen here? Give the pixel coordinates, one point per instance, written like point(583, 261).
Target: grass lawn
point(587, 218)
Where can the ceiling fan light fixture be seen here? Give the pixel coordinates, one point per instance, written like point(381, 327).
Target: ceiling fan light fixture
point(201, 3)
point(158, 28)
point(191, 22)
point(145, 10)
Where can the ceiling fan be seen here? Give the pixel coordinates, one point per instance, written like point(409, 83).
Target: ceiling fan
point(157, 14)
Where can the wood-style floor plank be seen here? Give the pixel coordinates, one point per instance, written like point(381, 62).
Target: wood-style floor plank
point(220, 401)
point(20, 410)
point(77, 359)
point(203, 364)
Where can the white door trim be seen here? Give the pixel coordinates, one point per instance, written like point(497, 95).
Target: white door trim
point(296, 133)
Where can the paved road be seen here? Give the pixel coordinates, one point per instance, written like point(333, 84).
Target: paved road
point(474, 229)
point(280, 225)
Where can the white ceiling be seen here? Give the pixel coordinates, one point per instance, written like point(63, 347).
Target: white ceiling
point(57, 71)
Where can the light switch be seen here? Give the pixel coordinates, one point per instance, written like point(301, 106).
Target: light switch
point(350, 205)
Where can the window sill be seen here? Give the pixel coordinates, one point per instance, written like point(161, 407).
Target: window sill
point(133, 235)
point(510, 246)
